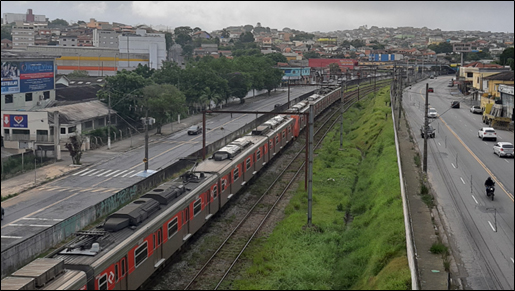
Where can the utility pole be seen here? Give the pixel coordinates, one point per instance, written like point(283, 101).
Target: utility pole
point(57, 131)
point(310, 164)
point(426, 124)
point(288, 91)
point(109, 123)
point(145, 160)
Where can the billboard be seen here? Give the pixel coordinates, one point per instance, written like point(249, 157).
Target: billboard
point(23, 77)
point(15, 120)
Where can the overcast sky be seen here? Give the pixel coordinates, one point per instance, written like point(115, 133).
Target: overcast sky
point(309, 16)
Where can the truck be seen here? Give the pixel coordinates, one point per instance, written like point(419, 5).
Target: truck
point(493, 116)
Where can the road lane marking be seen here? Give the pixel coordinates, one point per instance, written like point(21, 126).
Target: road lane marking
point(112, 173)
point(512, 260)
point(510, 195)
point(136, 174)
point(128, 173)
point(491, 225)
point(462, 180)
point(92, 173)
point(453, 165)
point(88, 172)
point(8, 236)
point(120, 173)
point(81, 171)
point(101, 174)
point(475, 199)
point(506, 161)
point(35, 218)
point(439, 144)
point(34, 225)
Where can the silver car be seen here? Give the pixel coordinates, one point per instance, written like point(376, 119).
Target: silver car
point(432, 113)
point(476, 109)
point(503, 149)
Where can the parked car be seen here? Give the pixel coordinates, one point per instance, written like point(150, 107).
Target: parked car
point(430, 131)
point(487, 133)
point(431, 77)
point(430, 90)
point(195, 129)
point(503, 149)
point(432, 113)
point(476, 109)
point(455, 104)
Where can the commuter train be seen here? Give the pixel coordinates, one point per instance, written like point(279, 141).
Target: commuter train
point(136, 240)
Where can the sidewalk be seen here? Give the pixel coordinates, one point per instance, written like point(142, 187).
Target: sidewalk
point(29, 180)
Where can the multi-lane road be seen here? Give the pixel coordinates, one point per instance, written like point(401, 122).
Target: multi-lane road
point(481, 231)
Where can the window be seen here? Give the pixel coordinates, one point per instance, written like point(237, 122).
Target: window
point(224, 184)
point(271, 143)
point(197, 207)
point(154, 240)
point(172, 227)
point(28, 97)
point(116, 272)
point(102, 282)
point(248, 163)
point(8, 98)
point(140, 254)
point(215, 191)
point(277, 139)
point(236, 174)
point(88, 124)
point(63, 130)
point(284, 134)
point(46, 95)
point(258, 154)
point(122, 262)
point(72, 129)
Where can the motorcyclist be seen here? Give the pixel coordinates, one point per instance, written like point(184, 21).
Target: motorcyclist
point(489, 182)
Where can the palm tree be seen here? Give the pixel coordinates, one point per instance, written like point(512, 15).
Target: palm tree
point(209, 96)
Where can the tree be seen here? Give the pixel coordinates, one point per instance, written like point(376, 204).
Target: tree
point(334, 69)
point(183, 39)
point(163, 101)
point(210, 96)
point(239, 85)
point(248, 28)
point(184, 30)
point(6, 32)
point(79, 74)
point(225, 33)
point(311, 55)
point(246, 37)
point(168, 40)
point(277, 58)
point(144, 71)
point(506, 55)
point(75, 147)
point(273, 77)
point(58, 22)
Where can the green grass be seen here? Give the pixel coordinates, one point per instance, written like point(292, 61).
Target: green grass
point(438, 248)
point(367, 253)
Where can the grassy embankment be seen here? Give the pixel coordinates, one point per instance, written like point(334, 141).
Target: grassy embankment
point(358, 240)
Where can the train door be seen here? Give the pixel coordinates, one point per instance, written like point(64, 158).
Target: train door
point(186, 223)
point(158, 250)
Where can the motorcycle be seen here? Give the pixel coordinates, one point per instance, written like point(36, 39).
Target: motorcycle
point(490, 192)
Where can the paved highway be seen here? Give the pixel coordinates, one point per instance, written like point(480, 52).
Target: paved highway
point(50, 203)
point(481, 231)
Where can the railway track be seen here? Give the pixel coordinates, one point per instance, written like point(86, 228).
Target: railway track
point(218, 267)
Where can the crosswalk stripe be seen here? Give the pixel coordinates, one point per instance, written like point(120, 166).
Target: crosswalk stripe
point(81, 171)
point(112, 173)
point(89, 172)
point(120, 173)
point(128, 173)
point(136, 173)
point(101, 174)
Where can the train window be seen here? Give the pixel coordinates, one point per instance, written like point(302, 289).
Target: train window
point(248, 163)
point(116, 272)
point(197, 207)
point(172, 227)
point(140, 254)
point(258, 154)
point(224, 184)
point(154, 241)
point(284, 134)
point(289, 129)
point(102, 282)
point(215, 191)
point(122, 263)
point(271, 143)
point(277, 139)
point(236, 174)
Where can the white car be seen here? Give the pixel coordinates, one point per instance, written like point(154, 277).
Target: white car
point(487, 132)
point(503, 149)
point(432, 113)
point(476, 109)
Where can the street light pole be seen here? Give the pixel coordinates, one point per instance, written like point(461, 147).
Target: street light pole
point(109, 123)
point(146, 140)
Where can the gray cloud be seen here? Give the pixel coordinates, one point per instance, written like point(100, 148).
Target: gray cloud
point(495, 16)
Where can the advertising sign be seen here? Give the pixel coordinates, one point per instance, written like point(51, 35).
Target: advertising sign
point(16, 121)
point(23, 77)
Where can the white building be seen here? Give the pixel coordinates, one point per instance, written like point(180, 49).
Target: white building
point(153, 44)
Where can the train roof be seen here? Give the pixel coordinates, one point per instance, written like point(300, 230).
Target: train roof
point(89, 246)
